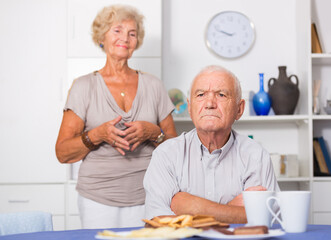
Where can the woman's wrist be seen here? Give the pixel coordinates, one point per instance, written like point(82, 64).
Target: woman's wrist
point(87, 142)
point(160, 137)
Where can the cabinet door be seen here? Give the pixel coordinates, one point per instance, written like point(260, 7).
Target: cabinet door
point(322, 218)
point(32, 197)
point(321, 197)
point(58, 223)
point(32, 60)
point(81, 14)
point(73, 222)
point(72, 200)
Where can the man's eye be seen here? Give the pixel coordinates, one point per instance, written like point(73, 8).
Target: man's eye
point(133, 35)
point(221, 95)
point(200, 95)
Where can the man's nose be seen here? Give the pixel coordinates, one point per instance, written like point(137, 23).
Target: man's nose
point(211, 101)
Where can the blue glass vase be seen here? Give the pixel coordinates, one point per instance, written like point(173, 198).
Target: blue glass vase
point(261, 100)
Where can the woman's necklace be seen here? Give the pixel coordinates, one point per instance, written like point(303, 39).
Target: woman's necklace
point(123, 92)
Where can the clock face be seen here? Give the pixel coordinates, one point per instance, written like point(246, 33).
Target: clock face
point(230, 34)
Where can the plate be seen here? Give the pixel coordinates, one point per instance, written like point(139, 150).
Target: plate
point(163, 233)
point(126, 233)
point(214, 234)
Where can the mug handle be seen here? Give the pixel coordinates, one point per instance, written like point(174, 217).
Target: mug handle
point(275, 216)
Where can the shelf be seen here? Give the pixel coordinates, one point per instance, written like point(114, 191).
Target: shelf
point(321, 58)
point(322, 117)
point(322, 179)
point(182, 119)
point(275, 118)
point(297, 179)
point(321, 55)
point(279, 118)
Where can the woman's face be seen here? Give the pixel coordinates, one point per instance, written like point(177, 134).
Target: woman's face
point(121, 39)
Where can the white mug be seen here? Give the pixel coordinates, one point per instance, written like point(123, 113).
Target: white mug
point(294, 210)
point(256, 208)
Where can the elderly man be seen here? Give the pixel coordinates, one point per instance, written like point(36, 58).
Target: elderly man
point(206, 170)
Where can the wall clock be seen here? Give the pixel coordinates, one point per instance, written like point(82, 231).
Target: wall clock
point(230, 34)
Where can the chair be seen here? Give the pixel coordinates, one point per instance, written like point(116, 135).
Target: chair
point(25, 222)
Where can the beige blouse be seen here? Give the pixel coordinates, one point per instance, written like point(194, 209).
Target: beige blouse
point(106, 176)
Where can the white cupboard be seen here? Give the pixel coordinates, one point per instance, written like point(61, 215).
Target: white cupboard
point(32, 60)
point(34, 197)
point(33, 66)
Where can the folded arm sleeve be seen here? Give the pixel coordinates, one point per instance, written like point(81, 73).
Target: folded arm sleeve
point(262, 173)
point(160, 184)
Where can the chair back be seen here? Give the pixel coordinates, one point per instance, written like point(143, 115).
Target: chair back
point(25, 222)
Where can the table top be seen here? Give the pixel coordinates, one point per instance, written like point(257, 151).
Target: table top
point(315, 232)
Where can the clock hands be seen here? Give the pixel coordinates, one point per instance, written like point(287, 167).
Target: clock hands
point(226, 33)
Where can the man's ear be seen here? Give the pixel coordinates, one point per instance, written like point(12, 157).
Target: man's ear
point(241, 108)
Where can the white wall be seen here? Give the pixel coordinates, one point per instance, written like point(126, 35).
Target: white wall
point(25, 52)
point(185, 52)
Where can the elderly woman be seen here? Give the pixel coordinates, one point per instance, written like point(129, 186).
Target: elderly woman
point(113, 120)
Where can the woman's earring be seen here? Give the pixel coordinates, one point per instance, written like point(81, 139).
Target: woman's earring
point(101, 45)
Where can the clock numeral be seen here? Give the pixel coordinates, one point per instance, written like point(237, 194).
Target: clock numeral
point(244, 43)
point(230, 18)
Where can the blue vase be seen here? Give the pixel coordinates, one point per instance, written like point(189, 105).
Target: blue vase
point(261, 100)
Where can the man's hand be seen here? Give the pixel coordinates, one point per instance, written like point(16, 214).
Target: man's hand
point(239, 201)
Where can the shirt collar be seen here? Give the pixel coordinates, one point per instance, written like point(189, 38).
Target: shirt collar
point(222, 151)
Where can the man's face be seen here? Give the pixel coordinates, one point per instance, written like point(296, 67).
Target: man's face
point(213, 106)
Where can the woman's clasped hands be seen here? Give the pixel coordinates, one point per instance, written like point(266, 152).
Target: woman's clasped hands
point(129, 139)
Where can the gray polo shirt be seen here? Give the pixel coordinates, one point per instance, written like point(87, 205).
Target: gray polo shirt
point(184, 164)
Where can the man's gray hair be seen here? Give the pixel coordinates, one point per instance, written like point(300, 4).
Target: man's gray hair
point(217, 68)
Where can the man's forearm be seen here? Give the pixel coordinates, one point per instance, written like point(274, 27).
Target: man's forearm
point(185, 203)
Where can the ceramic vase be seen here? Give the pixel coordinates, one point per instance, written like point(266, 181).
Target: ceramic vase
point(283, 92)
point(261, 100)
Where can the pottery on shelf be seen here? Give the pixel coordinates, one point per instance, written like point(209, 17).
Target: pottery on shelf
point(283, 92)
point(261, 100)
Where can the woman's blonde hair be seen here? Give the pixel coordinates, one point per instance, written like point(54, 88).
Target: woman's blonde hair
point(116, 13)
